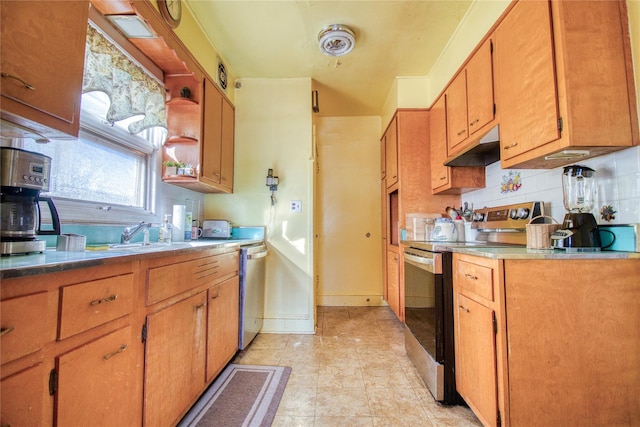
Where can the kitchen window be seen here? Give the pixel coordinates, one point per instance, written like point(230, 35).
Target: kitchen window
point(112, 166)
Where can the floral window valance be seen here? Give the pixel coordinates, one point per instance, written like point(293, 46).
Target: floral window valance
point(131, 90)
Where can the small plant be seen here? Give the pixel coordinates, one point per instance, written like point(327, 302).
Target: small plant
point(173, 164)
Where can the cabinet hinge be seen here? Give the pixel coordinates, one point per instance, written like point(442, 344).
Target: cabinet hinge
point(143, 334)
point(53, 382)
point(560, 124)
point(495, 324)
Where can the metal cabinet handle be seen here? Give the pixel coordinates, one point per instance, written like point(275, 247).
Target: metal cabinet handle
point(5, 331)
point(217, 295)
point(463, 308)
point(461, 132)
point(469, 276)
point(510, 146)
point(101, 300)
point(25, 84)
point(442, 178)
point(199, 306)
point(474, 122)
point(122, 348)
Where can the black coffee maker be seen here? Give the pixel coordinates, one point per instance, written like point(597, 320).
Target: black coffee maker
point(23, 176)
point(579, 232)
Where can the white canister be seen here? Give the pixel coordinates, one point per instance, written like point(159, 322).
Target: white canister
point(177, 220)
point(444, 230)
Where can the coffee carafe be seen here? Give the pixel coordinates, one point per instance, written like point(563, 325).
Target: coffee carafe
point(579, 230)
point(23, 176)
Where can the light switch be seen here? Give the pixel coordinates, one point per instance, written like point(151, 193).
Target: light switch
point(296, 206)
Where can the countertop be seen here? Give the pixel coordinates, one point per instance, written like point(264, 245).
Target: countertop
point(511, 252)
point(52, 261)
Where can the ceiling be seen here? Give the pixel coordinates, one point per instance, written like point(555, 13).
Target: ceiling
point(279, 39)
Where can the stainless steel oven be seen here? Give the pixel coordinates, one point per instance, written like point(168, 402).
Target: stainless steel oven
point(429, 320)
point(428, 292)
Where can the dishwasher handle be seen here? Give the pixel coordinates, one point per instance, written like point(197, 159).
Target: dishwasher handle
point(257, 255)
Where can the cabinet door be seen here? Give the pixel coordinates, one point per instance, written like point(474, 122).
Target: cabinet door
point(22, 397)
point(43, 60)
point(480, 88)
point(228, 143)
point(97, 383)
point(391, 153)
point(438, 142)
point(476, 358)
point(457, 112)
point(525, 79)
point(175, 360)
point(212, 133)
point(393, 282)
point(223, 324)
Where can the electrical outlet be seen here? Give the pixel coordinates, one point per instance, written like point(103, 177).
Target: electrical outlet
point(296, 206)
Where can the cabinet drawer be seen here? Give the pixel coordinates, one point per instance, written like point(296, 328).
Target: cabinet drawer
point(476, 278)
point(169, 280)
point(87, 305)
point(24, 329)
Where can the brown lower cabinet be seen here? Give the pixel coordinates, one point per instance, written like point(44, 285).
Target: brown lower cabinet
point(131, 342)
point(548, 342)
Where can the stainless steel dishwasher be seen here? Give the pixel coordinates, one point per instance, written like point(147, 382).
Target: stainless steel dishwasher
point(252, 285)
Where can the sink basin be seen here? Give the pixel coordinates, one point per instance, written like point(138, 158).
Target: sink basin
point(141, 247)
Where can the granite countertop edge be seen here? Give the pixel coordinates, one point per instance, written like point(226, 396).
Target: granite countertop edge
point(535, 254)
point(53, 261)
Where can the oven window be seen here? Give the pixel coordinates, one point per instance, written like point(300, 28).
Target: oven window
point(420, 308)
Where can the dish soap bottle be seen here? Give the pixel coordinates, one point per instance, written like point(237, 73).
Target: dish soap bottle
point(164, 234)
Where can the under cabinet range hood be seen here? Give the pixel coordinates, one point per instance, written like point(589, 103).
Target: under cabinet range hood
point(484, 152)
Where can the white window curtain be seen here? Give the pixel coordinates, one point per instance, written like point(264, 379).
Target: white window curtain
point(131, 90)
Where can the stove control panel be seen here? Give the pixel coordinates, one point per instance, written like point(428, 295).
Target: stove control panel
point(509, 217)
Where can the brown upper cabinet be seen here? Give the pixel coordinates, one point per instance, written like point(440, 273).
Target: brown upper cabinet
point(390, 145)
point(201, 133)
point(42, 51)
point(470, 104)
point(445, 179)
point(564, 84)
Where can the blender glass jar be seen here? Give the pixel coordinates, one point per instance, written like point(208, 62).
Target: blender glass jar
point(578, 188)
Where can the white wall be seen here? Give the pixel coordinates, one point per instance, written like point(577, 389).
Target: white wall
point(617, 175)
point(273, 130)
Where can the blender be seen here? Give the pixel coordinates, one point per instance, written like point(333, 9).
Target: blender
point(579, 232)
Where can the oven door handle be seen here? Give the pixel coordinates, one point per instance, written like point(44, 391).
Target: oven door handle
point(420, 262)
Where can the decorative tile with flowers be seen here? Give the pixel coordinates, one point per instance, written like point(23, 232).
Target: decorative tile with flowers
point(511, 182)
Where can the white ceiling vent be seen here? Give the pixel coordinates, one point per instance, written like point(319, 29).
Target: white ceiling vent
point(336, 40)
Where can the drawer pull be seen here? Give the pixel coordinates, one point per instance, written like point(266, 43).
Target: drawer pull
point(463, 308)
point(5, 331)
point(25, 84)
point(216, 295)
point(199, 306)
point(108, 299)
point(469, 276)
point(462, 132)
point(474, 122)
point(511, 146)
point(108, 356)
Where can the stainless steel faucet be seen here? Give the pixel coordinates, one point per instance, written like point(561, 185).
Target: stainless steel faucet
point(129, 232)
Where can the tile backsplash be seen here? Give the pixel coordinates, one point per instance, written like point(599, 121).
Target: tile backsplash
point(618, 183)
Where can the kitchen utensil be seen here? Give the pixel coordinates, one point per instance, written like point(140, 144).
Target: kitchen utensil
point(452, 212)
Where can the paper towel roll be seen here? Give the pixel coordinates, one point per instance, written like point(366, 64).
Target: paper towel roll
point(177, 220)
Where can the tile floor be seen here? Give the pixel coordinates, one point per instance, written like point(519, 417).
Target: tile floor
point(353, 372)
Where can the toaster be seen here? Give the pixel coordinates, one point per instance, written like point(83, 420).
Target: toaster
point(216, 229)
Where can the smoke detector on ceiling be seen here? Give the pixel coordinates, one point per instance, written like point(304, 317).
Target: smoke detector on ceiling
point(336, 40)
